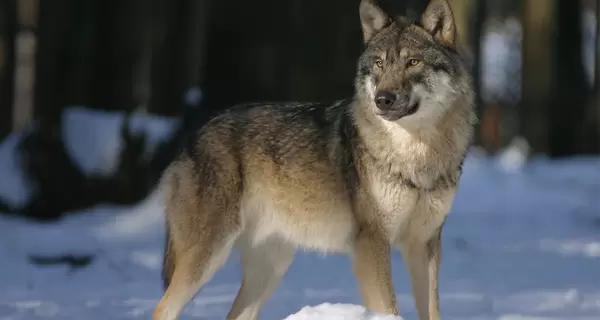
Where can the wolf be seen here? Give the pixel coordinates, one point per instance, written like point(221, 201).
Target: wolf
point(363, 176)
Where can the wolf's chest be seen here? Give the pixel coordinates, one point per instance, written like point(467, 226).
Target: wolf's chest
point(408, 212)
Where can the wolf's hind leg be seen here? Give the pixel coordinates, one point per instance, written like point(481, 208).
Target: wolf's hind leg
point(202, 206)
point(192, 270)
point(264, 265)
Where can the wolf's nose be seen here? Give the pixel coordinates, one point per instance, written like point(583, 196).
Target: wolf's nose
point(384, 100)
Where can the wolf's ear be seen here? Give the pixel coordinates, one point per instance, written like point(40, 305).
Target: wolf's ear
point(439, 21)
point(372, 18)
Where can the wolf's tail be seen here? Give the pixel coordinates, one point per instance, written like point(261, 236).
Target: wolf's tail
point(168, 260)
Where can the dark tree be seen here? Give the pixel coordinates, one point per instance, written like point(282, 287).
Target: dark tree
point(179, 29)
point(597, 63)
point(568, 133)
point(538, 73)
point(8, 32)
point(52, 61)
point(470, 16)
point(117, 48)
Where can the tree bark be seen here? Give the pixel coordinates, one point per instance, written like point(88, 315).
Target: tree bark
point(322, 49)
point(480, 14)
point(538, 73)
point(8, 33)
point(597, 64)
point(463, 11)
point(117, 44)
point(198, 18)
point(568, 133)
point(596, 101)
point(179, 45)
point(51, 62)
point(470, 16)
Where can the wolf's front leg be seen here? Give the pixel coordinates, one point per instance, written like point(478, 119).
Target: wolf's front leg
point(434, 251)
point(372, 266)
point(423, 260)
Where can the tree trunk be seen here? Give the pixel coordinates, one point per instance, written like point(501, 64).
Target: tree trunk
point(322, 49)
point(164, 71)
point(198, 16)
point(51, 62)
point(248, 64)
point(463, 10)
point(470, 16)
point(179, 42)
point(597, 64)
point(538, 72)
point(80, 46)
point(567, 132)
point(142, 69)
point(118, 42)
point(479, 14)
point(8, 32)
point(596, 101)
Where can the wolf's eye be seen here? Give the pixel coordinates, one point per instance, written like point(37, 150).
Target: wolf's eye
point(413, 62)
point(379, 63)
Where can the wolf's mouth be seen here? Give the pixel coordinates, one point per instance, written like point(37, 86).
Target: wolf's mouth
point(413, 108)
point(400, 112)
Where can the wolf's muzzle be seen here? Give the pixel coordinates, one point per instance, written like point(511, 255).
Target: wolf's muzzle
point(393, 107)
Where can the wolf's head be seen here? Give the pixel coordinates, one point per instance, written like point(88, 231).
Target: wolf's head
point(410, 72)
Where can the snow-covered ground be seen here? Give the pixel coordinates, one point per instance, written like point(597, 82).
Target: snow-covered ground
point(522, 242)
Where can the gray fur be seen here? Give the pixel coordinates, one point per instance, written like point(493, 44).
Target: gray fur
point(350, 177)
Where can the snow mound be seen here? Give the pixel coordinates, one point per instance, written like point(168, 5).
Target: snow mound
point(93, 137)
point(93, 140)
point(15, 189)
point(339, 311)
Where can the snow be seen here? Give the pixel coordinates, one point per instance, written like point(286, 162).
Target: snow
point(339, 311)
point(93, 137)
point(15, 189)
point(522, 243)
point(93, 140)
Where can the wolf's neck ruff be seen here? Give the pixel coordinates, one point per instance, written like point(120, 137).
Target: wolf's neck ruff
point(426, 157)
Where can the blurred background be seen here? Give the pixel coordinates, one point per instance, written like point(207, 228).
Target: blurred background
point(95, 95)
point(534, 63)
